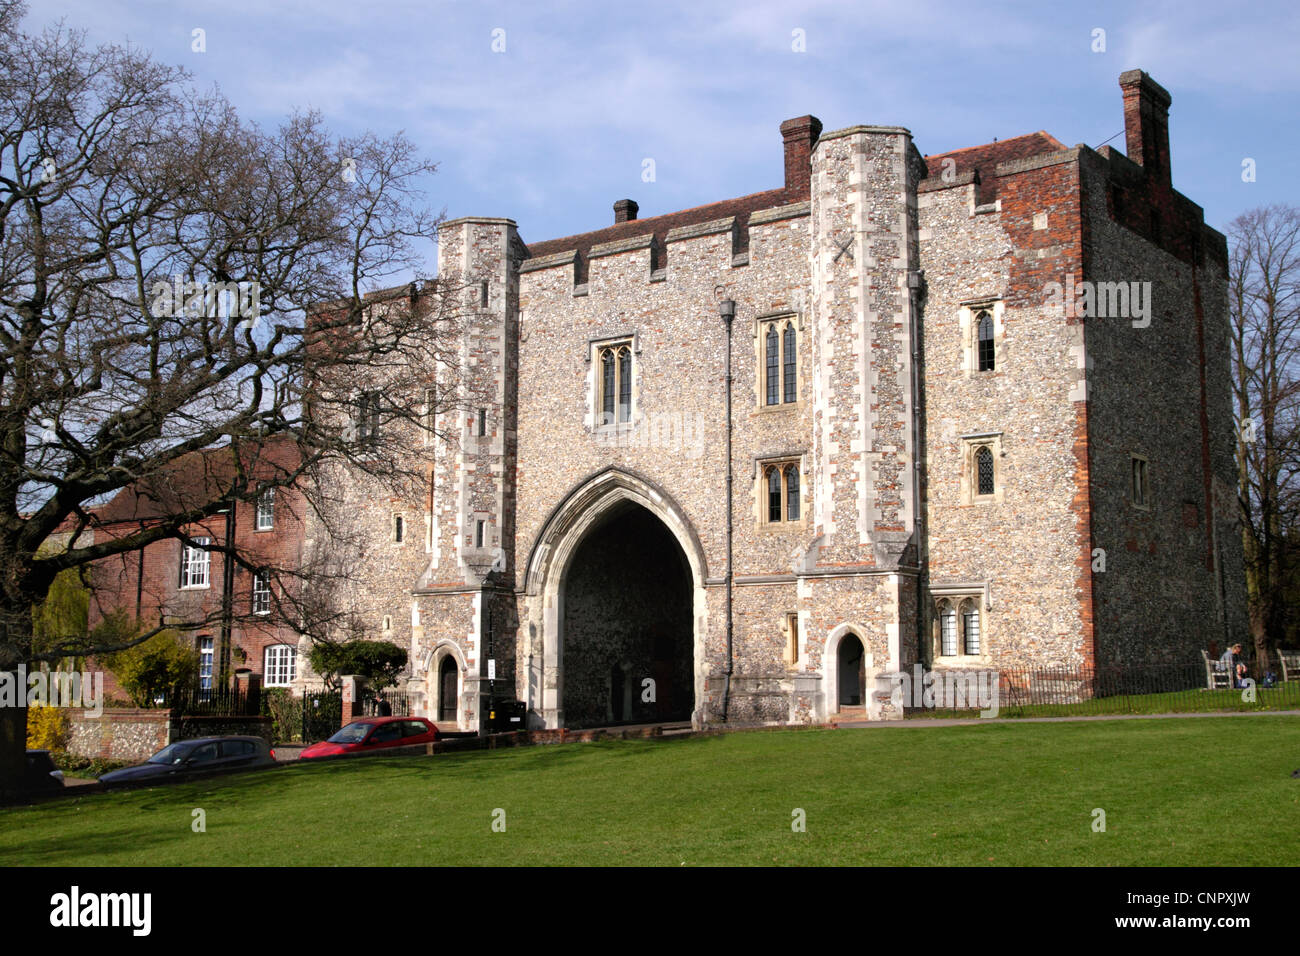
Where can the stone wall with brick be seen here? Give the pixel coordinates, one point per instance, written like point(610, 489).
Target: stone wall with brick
point(1017, 550)
point(1159, 389)
point(123, 735)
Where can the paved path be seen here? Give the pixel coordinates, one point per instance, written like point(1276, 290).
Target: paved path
point(976, 721)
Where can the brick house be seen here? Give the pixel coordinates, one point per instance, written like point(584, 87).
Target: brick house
point(978, 418)
point(233, 615)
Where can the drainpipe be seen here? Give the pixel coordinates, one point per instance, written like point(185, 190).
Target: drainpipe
point(916, 298)
point(727, 309)
point(227, 596)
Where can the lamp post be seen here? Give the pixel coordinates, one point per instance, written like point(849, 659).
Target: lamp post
point(727, 310)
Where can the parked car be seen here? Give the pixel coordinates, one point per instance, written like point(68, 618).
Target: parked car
point(374, 733)
point(41, 774)
point(191, 758)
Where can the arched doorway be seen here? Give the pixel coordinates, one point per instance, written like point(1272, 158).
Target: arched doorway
point(627, 624)
point(852, 672)
point(448, 699)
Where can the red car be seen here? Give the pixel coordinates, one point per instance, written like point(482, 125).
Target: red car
point(374, 733)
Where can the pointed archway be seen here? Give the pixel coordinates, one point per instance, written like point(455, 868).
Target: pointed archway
point(614, 534)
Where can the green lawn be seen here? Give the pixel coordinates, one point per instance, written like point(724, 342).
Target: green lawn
point(1208, 791)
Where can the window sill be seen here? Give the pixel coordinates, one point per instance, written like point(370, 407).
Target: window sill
point(195, 587)
point(780, 407)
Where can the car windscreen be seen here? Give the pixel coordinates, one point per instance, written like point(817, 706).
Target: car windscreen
point(172, 755)
point(351, 734)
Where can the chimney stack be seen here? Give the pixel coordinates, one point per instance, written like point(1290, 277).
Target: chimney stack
point(624, 211)
point(1146, 123)
point(800, 135)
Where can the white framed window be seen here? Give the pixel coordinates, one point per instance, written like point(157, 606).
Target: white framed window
point(261, 592)
point(206, 656)
point(265, 519)
point(281, 665)
point(195, 563)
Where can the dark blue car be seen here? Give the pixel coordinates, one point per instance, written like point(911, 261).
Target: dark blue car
point(190, 758)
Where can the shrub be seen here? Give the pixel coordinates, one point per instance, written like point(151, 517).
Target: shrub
point(379, 662)
point(47, 728)
point(285, 712)
point(153, 669)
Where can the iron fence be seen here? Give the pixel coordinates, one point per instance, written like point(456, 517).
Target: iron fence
point(1108, 689)
point(386, 703)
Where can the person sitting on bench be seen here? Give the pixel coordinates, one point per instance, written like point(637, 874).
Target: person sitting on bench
point(1231, 662)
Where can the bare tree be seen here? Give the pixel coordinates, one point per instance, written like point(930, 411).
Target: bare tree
point(1264, 301)
point(162, 263)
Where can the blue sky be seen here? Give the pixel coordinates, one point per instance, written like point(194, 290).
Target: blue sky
point(554, 128)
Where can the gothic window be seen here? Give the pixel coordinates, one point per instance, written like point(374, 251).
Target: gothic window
point(984, 342)
point(984, 470)
point(947, 629)
point(366, 417)
point(779, 362)
point(959, 626)
point(616, 384)
point(970, 627)
point(773, 382)
point(781, 487)
point(787, 339)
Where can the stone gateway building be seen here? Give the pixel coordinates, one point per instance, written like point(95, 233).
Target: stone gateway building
point(968, 410)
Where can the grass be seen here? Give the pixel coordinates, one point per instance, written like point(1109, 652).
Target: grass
point(1211, 791)
point(1285, 697)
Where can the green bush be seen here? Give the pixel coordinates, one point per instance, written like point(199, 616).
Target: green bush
point(379, 662)
point(153, 669)
point(285, 712)
point(85, 767)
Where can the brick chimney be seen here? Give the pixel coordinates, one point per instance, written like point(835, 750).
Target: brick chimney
point(800, 135)
point(1146, 122)
point(624, 211)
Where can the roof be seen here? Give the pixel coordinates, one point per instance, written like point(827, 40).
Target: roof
point(985, 158)
point(192, 481)
point(741, 207)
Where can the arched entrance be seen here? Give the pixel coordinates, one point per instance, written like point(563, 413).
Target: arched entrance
point(448, 699)
point(627, 625)
point(852, 672)
point(615, 612)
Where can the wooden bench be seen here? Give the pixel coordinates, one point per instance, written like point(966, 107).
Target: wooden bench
point(1217, 675)
point(1290, 661)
